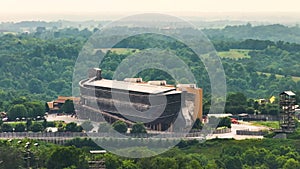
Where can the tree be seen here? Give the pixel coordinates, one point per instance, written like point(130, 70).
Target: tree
point(17, 111)
point(68, 107)
point(225, 122)
point(163, 162)
point(200, 158)
point(6, 127)
point(35, 86)
point(28, 123)
point(20, 127)
point(112, 161)
point(120, 126)
point(270, 160)
point(45, 123)
point(291, 164)
point(138, 128)
point(87, 126)
point(193, 164)
point(236, 103)
point(47, 107)
point(72, 127)
point(57, 85)
point(10, 157)
point(128, 164)
point(104, 127)
point(250, 157)
point(256, 105)
point(197, 124)
point(35, 109)
point(63, 157)
point(250, 110)
point(232, 151)
point(233, 162)
point(1, 121)
point(36, 127)
point(19, 100)
point(273, 109)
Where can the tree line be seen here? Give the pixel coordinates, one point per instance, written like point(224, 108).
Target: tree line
point(212, 154)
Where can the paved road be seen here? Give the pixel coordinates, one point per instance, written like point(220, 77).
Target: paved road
point(235, 127)
point(65, 118)
point(232, 134)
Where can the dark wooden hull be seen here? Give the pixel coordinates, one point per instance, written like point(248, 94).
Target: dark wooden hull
point(162, 109)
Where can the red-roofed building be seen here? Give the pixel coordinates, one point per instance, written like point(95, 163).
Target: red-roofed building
point(55, 105)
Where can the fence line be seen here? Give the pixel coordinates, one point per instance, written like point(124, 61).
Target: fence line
point(41, 135)
point(91, 135)
point(222, 131)
point(251, 133)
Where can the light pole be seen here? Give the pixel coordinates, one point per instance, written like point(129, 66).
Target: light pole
point(28, 153)
point(37, 156)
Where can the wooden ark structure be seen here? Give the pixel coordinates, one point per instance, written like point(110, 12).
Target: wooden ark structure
point(154, 103)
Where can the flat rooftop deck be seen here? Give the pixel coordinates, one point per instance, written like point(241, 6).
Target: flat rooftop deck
point(129, 86)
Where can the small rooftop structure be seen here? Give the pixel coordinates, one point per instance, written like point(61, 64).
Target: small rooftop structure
point(289, 93)
point(243, 114)
point(98, 151)
point(222, 115)
point(133, 80)
point(158, 82)
point(186, 85)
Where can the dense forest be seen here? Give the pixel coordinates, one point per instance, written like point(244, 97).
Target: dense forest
point(275, 32)
point(212, 154)
point(39, 65)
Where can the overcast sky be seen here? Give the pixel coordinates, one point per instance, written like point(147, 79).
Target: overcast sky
point(56, 9)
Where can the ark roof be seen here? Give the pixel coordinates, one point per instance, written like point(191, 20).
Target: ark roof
point(129, 86)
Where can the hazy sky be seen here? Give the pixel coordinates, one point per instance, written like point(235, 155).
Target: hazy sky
point(56, 9)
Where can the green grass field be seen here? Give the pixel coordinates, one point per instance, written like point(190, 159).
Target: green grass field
point(295, 78)
point(271, 124)
point(234, 54)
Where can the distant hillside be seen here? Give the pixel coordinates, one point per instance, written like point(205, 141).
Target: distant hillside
point(41, 67)
point(275, 33)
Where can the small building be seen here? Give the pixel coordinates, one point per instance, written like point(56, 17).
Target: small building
point(55, 105)
point(266, 101)
point(262, 101)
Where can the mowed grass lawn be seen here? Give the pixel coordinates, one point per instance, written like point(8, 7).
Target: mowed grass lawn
point(295, 78)
point(234, 54)
point(271, 124)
